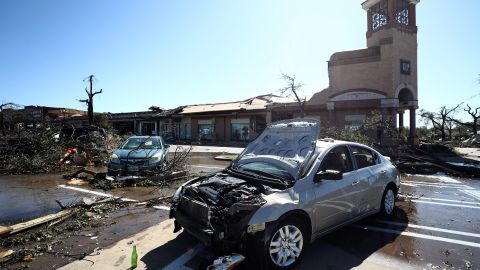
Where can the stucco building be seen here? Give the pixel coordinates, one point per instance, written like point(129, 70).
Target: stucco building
point(381, 77)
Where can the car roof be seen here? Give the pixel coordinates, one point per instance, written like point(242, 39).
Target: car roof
point(145, 137)
point(329, 143)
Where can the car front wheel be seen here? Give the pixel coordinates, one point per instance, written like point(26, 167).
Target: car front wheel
point(287, 244)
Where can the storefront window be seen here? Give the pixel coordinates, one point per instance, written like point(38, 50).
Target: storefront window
point(205, 132)
point(185, 131)
point(240, 132)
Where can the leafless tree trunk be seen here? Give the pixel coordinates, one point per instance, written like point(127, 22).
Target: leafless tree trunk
point(292, 88)
point(475, 116)
point(439, 120)
point(89, 101)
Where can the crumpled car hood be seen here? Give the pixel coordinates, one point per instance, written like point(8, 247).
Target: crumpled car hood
point(288, 144)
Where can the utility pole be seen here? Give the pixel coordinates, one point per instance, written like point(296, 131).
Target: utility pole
point(89, 101)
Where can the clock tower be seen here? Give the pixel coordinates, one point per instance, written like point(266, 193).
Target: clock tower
point(381, 77)
point(392, 26)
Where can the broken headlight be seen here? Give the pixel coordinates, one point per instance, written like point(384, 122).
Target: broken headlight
point(114, 158)
point(155, 159)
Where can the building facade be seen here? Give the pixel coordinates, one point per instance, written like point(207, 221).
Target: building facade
point(381, 77)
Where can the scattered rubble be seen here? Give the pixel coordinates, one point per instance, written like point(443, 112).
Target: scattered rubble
point(434, 158)
point(40, 150)
point(174, 169)
point(33, 238)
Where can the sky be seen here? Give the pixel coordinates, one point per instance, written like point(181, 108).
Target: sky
point(179, 52)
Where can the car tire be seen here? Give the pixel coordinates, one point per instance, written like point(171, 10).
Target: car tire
point(285, 247)
point(388, 202)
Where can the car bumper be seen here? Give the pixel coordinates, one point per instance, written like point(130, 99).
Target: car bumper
point(132, 168)
point(194, 228)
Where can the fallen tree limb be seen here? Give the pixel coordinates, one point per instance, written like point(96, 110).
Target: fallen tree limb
point(436, 163)
point(4, 230)
point(35, 222)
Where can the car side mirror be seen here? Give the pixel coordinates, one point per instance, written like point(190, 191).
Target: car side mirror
point(328, 175)
point(166, 145)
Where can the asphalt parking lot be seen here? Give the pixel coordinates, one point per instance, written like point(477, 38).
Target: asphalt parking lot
point(437, 226)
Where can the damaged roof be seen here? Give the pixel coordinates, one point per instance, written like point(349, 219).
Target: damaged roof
point(255, 103)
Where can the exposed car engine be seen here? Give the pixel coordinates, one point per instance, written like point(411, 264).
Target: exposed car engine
point(221, 203)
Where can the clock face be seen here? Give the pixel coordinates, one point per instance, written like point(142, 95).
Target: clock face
point(402, 14)
point(378, 20)
point(405, 67)
point(379, 15)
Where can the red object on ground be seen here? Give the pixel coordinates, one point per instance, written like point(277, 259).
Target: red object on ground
point(69, 153)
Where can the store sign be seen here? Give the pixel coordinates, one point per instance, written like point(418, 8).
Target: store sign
point(405, 67)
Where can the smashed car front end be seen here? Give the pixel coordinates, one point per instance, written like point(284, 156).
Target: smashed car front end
point(216, 209)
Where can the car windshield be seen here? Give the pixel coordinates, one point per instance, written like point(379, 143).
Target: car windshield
point(266, 170)
point(142, 143)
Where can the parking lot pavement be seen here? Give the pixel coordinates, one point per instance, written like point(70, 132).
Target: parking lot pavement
point(437, 226)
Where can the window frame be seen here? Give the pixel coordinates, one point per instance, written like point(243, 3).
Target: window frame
point(375, 157)
point(348, 153)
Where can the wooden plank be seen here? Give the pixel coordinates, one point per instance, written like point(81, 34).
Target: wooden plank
point(5, 255)
point(5, 230)
point(38, 221)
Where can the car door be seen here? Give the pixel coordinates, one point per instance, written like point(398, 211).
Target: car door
point(366, 176)
point(334, 199)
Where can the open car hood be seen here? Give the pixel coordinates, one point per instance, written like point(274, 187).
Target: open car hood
point(287, 144)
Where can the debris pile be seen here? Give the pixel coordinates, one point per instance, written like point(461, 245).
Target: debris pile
point(40, 150)
point(174, 169)
point(434, 158)
point(24, 241)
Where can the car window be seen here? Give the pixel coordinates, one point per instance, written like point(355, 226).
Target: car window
point(259, 167)
point(364, 157)
point(337, 159)
point(142, 143)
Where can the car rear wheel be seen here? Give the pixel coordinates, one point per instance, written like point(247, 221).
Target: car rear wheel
point(286, 246)
point(388, 202)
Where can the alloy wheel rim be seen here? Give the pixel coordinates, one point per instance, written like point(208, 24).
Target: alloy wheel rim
point(286, 245)
point(389, 203)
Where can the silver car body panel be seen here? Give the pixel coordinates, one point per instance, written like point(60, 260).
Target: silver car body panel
point(331, 204)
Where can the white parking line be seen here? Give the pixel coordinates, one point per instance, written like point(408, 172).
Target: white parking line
point(438, 199)
point(416, 184)
point(162, 207)
point(447, 204)
point(101, 194)
point(178, 264)
point(441, 178)
point(418, 235)
point(473, 193)
point(207, 167)
point(428, 228)
point(434, 183)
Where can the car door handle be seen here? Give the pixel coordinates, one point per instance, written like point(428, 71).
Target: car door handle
point(355, 182)
point(383, 172)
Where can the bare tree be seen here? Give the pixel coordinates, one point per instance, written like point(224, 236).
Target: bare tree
point(89, 100)
point(475, 116)
point(439, 120)
point(292, 88)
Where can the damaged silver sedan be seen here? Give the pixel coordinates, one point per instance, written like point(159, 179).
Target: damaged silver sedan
point(286, 189)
